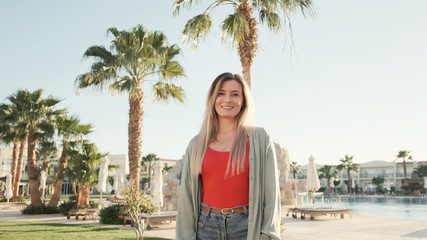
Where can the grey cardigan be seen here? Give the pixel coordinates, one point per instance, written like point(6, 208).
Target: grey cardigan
point(264, 193)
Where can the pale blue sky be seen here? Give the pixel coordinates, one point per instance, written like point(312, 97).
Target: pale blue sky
point(355, 85)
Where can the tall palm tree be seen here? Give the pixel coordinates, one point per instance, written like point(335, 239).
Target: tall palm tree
point(295, 169)
point(13, 130)
point(70, 131)
point(84, 164)
point(9, 135)
point(135, 57)
point(36, 114)
point(148, 162)
point(348, 165)
point(328, 172)
point(404, 155)
point(241, 27)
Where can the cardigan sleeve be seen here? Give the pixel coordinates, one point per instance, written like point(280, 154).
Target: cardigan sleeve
point(270, 225)
point(186, 220)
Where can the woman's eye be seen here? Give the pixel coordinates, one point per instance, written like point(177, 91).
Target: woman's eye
point(236, 95)
point(220, 94)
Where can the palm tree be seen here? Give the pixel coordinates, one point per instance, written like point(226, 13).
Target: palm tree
point(421, 170)
point(84, 164)
point(11, 134)
point(403, 155)
point(148, 161)
point(241, 27)
point(135, 57)
point(328, 172)
point(348, 165)
point(70, 131)
point(36, 115)
point(295, 169)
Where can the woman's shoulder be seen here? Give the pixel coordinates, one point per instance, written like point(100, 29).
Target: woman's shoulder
point(258, 131)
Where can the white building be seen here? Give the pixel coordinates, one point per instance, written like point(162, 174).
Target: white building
point(390, 171)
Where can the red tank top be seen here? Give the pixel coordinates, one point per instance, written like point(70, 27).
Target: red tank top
point(219, 190)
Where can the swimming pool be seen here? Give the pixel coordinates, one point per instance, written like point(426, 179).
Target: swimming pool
point(412, 208)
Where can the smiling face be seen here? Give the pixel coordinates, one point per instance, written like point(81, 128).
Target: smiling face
point(229, 100)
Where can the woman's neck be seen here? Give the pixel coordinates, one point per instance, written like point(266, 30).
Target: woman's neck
point(227, 126)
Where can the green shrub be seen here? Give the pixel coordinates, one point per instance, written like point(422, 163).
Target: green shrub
point(39, 209)
point(20, 199)
point(93, 204)
point(67, 206)
point(110, 215)
point(73, 198)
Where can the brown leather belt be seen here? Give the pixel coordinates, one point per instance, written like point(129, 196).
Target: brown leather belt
point(226, 210)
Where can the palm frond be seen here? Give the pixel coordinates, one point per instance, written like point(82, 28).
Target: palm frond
point(272, 19)
point(164, 91)
point(235, 27)
point(178, 4)
point(195, 29)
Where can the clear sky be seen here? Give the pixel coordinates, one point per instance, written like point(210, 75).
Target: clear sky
point(355, 84)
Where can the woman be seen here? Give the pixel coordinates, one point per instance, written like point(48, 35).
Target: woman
point(229, 184)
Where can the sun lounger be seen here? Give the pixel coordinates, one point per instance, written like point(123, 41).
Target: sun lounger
point(94, 213)
point(315, 212)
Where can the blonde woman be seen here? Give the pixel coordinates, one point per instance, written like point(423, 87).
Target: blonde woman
point(229, 184)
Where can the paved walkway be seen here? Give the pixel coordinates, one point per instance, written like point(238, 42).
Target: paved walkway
point(323, 228)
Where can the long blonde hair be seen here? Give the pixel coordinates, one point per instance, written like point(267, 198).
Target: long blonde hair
point(209, 130)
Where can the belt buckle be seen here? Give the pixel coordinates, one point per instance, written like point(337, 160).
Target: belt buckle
point(222, 211)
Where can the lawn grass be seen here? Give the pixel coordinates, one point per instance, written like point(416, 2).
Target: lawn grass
point(55, 231)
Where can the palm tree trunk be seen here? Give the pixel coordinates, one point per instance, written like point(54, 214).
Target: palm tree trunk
point(149, 177)
point(136, 112)
point(404, 169)
point(59, 178)
point(83, 198)
point(349, 180)
point(248, 46)
point(32, 169)
point(14, 161)
point(19, 168)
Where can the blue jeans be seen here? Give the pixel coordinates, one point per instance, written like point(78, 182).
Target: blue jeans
point(217, 226)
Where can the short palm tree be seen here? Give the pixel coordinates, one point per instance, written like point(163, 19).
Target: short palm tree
point(84, 164)
point(148, 162)
point(327, 172)
point(36, 114)
point(404, 155)
point(135, 58)
point(241, 26)
point(295, 169)
point(348, 165)
point(69, 131)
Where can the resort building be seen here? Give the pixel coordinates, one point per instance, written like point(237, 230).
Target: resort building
point(390, 171)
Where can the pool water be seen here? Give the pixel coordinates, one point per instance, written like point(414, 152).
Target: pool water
point(411, 208)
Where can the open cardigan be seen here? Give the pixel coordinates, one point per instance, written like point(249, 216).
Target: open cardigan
point(264, 192)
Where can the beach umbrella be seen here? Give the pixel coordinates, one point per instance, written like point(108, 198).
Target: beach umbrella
point(116, 184)
point(8, 193)
point(157, 186)
point(387, 185)
point(331, 184)
point(313, 182)
point(353, 183)
point(102, 178)
point(43, 178)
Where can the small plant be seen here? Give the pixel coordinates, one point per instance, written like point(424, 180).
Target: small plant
point(137, 202)
point(110, 215)
point(39, 209)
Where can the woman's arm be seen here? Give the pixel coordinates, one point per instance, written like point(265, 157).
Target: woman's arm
point(270, 226)
point(186, 220)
